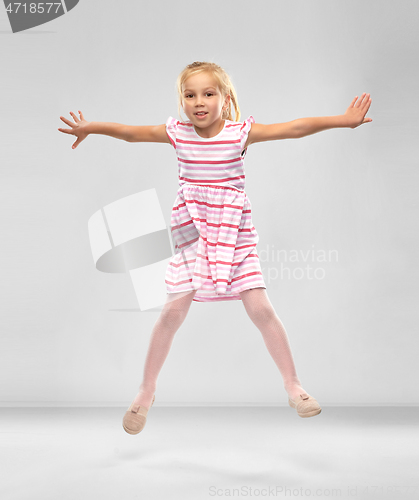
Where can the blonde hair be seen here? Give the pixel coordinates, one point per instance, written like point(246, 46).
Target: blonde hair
point(224, 83)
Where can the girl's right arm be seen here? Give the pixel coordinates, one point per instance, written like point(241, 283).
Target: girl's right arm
point(130, 133)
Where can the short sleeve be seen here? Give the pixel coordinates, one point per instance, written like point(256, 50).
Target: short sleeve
point(171, 129)
point(244, 132)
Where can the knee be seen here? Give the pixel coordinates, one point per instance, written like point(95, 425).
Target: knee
point(173, 315)
point(261, 313)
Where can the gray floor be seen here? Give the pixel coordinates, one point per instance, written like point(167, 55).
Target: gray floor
point(215, 452)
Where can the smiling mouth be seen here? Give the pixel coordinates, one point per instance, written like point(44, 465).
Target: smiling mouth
point(201, 113)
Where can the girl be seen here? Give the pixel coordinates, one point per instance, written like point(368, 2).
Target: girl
point(215, 241)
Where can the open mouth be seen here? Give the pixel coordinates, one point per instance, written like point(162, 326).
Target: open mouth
point(201, 113)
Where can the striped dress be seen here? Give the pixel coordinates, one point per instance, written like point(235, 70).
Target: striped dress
point(211, 221)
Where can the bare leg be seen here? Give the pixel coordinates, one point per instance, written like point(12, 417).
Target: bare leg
point(171, 317)
point(263, 315)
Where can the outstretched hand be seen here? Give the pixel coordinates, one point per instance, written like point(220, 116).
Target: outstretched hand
point(356, 112)
point(78, 128)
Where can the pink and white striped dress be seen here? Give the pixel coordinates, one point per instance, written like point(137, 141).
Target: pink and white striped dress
point(211, 223)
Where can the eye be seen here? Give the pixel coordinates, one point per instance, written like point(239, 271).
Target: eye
point(188, 95)
point(209, 93)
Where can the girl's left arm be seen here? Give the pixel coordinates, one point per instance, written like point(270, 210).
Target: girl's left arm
point(301, 127)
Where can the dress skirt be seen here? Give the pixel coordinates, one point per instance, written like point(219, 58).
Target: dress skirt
point(215, 244)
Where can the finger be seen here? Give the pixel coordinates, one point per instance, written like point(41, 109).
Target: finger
point(66, 130)
point(68, 122)
point(360, 101)
point(81, 115)
point(75, 144)
point(366, 120)
point(366, 103)
point(74, 116)
point(353, 101)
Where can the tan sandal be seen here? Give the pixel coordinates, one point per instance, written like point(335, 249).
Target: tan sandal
point(306, 405)
point(135, 418)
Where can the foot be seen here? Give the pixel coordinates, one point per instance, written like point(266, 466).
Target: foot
point(295, 391)
point(135, 418)
point(143, 399)
point(305, 405)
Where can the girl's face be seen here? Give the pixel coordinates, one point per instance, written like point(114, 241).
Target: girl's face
point(202, 100)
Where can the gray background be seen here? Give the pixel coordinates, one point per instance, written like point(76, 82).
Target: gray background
point(353, 333)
